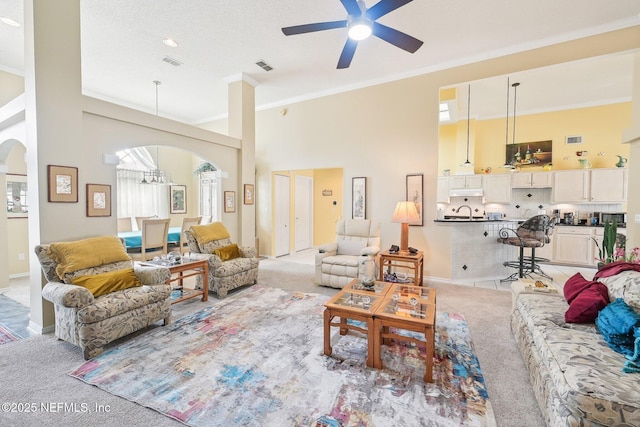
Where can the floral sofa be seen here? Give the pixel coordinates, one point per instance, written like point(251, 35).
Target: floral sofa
point(577, 378)
point(89, 321)
point(230, 266)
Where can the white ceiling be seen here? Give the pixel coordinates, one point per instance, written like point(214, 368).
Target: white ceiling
point(122, 51)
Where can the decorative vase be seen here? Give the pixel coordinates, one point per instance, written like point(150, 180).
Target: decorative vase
point(621, 161)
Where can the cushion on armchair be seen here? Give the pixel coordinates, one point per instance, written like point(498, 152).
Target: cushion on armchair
point(104, 283)
point(228, 252)
point(86, 253)
point(209, 232)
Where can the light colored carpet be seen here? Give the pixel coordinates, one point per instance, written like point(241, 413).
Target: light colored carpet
point(34, 369)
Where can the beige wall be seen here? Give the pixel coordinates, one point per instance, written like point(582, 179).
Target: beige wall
point(390, 130)
point(11, 86)
point(325, 213)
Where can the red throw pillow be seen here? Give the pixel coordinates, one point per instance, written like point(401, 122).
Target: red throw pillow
point(574, 286)
point(585, 307)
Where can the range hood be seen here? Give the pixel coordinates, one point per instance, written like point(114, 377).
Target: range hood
point(465, 192)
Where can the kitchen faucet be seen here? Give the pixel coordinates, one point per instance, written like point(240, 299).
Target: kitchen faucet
point(470, 211)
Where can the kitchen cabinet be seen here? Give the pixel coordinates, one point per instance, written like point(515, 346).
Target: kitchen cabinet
point(532, 180)
point(459, 182)
point(573, 245)
point(590, 185)
point(497, 188)
point(608, 185)
point(442, 195)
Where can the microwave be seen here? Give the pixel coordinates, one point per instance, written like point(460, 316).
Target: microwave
point(619, 217)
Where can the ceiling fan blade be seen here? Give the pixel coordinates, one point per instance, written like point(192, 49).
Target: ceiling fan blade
point(309, 28)
point(396, 38)
point(383, 7)
point(347, 53)
point(352, 7)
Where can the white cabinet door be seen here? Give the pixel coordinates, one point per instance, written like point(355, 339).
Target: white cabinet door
point(473, 181)
point(542, 179)
point(608, 185)
point(571, 186)
point(521, 180)
point(573, 245)
point(497, 188)
point(443, 190)
point(465, 181)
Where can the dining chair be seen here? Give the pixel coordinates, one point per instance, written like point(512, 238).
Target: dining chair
point(155, 233)
point(186, 224)
point(124, 224)
point(139, 220)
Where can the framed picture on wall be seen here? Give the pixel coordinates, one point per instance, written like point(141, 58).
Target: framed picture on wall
point(17, 196)
point(98, 200)
point(229, 201)
point(63, 184)
point(414, 194)
point(249, 195)
point(178, 199)
point(359, 197)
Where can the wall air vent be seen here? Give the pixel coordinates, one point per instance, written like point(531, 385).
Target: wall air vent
point(170, 60)
point(262, 64)
point(574, 139)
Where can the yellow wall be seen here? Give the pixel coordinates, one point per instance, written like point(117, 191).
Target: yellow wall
point(17, 228)
point(325, 213)
point(601, 128)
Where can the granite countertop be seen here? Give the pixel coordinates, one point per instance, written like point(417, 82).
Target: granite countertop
point(518, 220)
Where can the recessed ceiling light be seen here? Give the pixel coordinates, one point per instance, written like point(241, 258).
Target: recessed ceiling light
point(170, 42)
point(9, 21)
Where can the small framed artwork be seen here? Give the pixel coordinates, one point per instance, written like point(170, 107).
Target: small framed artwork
point(229, 201)
point(98, 200)
point(414, 194)
point(178, 199)
point(17, 196)
point(359, 197)
point(63, 184)
point(248, 194)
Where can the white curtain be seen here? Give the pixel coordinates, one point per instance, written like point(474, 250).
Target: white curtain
point(134, 198)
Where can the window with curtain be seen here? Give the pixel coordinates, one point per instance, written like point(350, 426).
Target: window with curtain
point(135, 198)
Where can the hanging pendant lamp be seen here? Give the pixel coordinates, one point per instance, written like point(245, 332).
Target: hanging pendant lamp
point(155, 176)
point(467, 163)
point(508, 164)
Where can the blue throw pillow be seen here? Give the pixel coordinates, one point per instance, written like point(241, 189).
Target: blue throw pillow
point(616, 322)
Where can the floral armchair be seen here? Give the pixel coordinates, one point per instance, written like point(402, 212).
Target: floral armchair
point(99, 295)
point(230, 266)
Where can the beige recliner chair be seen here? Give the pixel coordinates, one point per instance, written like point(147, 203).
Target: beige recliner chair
point(338, 263)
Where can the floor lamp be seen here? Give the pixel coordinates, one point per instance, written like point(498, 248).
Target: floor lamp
point(405, 213)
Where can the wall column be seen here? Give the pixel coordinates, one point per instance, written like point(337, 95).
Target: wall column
point(53, 99)
point(242, 125)
point(632, 136)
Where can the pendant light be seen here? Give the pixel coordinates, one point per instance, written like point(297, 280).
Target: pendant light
point(155, 176)
point(468, 163)
point(507, 164)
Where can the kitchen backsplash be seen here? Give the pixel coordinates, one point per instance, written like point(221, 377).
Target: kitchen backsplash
point(526, 202)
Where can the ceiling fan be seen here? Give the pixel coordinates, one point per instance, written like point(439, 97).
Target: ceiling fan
point(361, 23)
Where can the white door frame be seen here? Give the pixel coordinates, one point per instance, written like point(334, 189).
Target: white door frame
point(303, 212)
point(282, 209)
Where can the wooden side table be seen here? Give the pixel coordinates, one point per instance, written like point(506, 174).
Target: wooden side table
point(179, 272)
point(409, 260)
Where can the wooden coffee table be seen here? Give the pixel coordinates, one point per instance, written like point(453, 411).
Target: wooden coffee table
point(186, 268)
point(410, 308)
point(356, 303)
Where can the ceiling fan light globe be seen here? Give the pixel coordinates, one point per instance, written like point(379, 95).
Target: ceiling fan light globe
point(360, 30)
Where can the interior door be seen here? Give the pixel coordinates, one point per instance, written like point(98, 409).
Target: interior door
point(303, 212)
point(281, 212)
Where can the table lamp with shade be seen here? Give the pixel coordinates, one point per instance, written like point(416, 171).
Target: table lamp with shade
point(405, 214)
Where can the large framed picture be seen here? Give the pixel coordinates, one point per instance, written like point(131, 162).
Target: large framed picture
point(249, 194)
point(359, 197)
point(414, 194)
point(63, 184)
point(229, 201)
point(178, 199)
point(525, 154)
point(98, 200)
point(17, 196)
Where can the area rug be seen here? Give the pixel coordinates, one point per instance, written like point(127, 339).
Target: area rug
point(7, 335)
point(258, 360)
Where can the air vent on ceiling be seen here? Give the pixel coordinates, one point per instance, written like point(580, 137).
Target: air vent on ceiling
point(574, 139)
point(262, 64)
point(170, 60)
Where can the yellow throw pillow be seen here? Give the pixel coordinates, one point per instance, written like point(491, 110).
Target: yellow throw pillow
point(111, 281)
point(228, 252)
point(86, 253)
point(209, 232)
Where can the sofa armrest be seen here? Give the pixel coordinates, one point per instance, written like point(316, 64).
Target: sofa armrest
point(67, 295)
point(214, 260)
point(370, 251)
point(248, 252)
point(152, 275)
point(328, 248)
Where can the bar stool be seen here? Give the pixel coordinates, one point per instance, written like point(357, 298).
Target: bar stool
point(534, 233)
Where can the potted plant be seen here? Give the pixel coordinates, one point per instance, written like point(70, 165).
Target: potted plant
point(606, 252)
